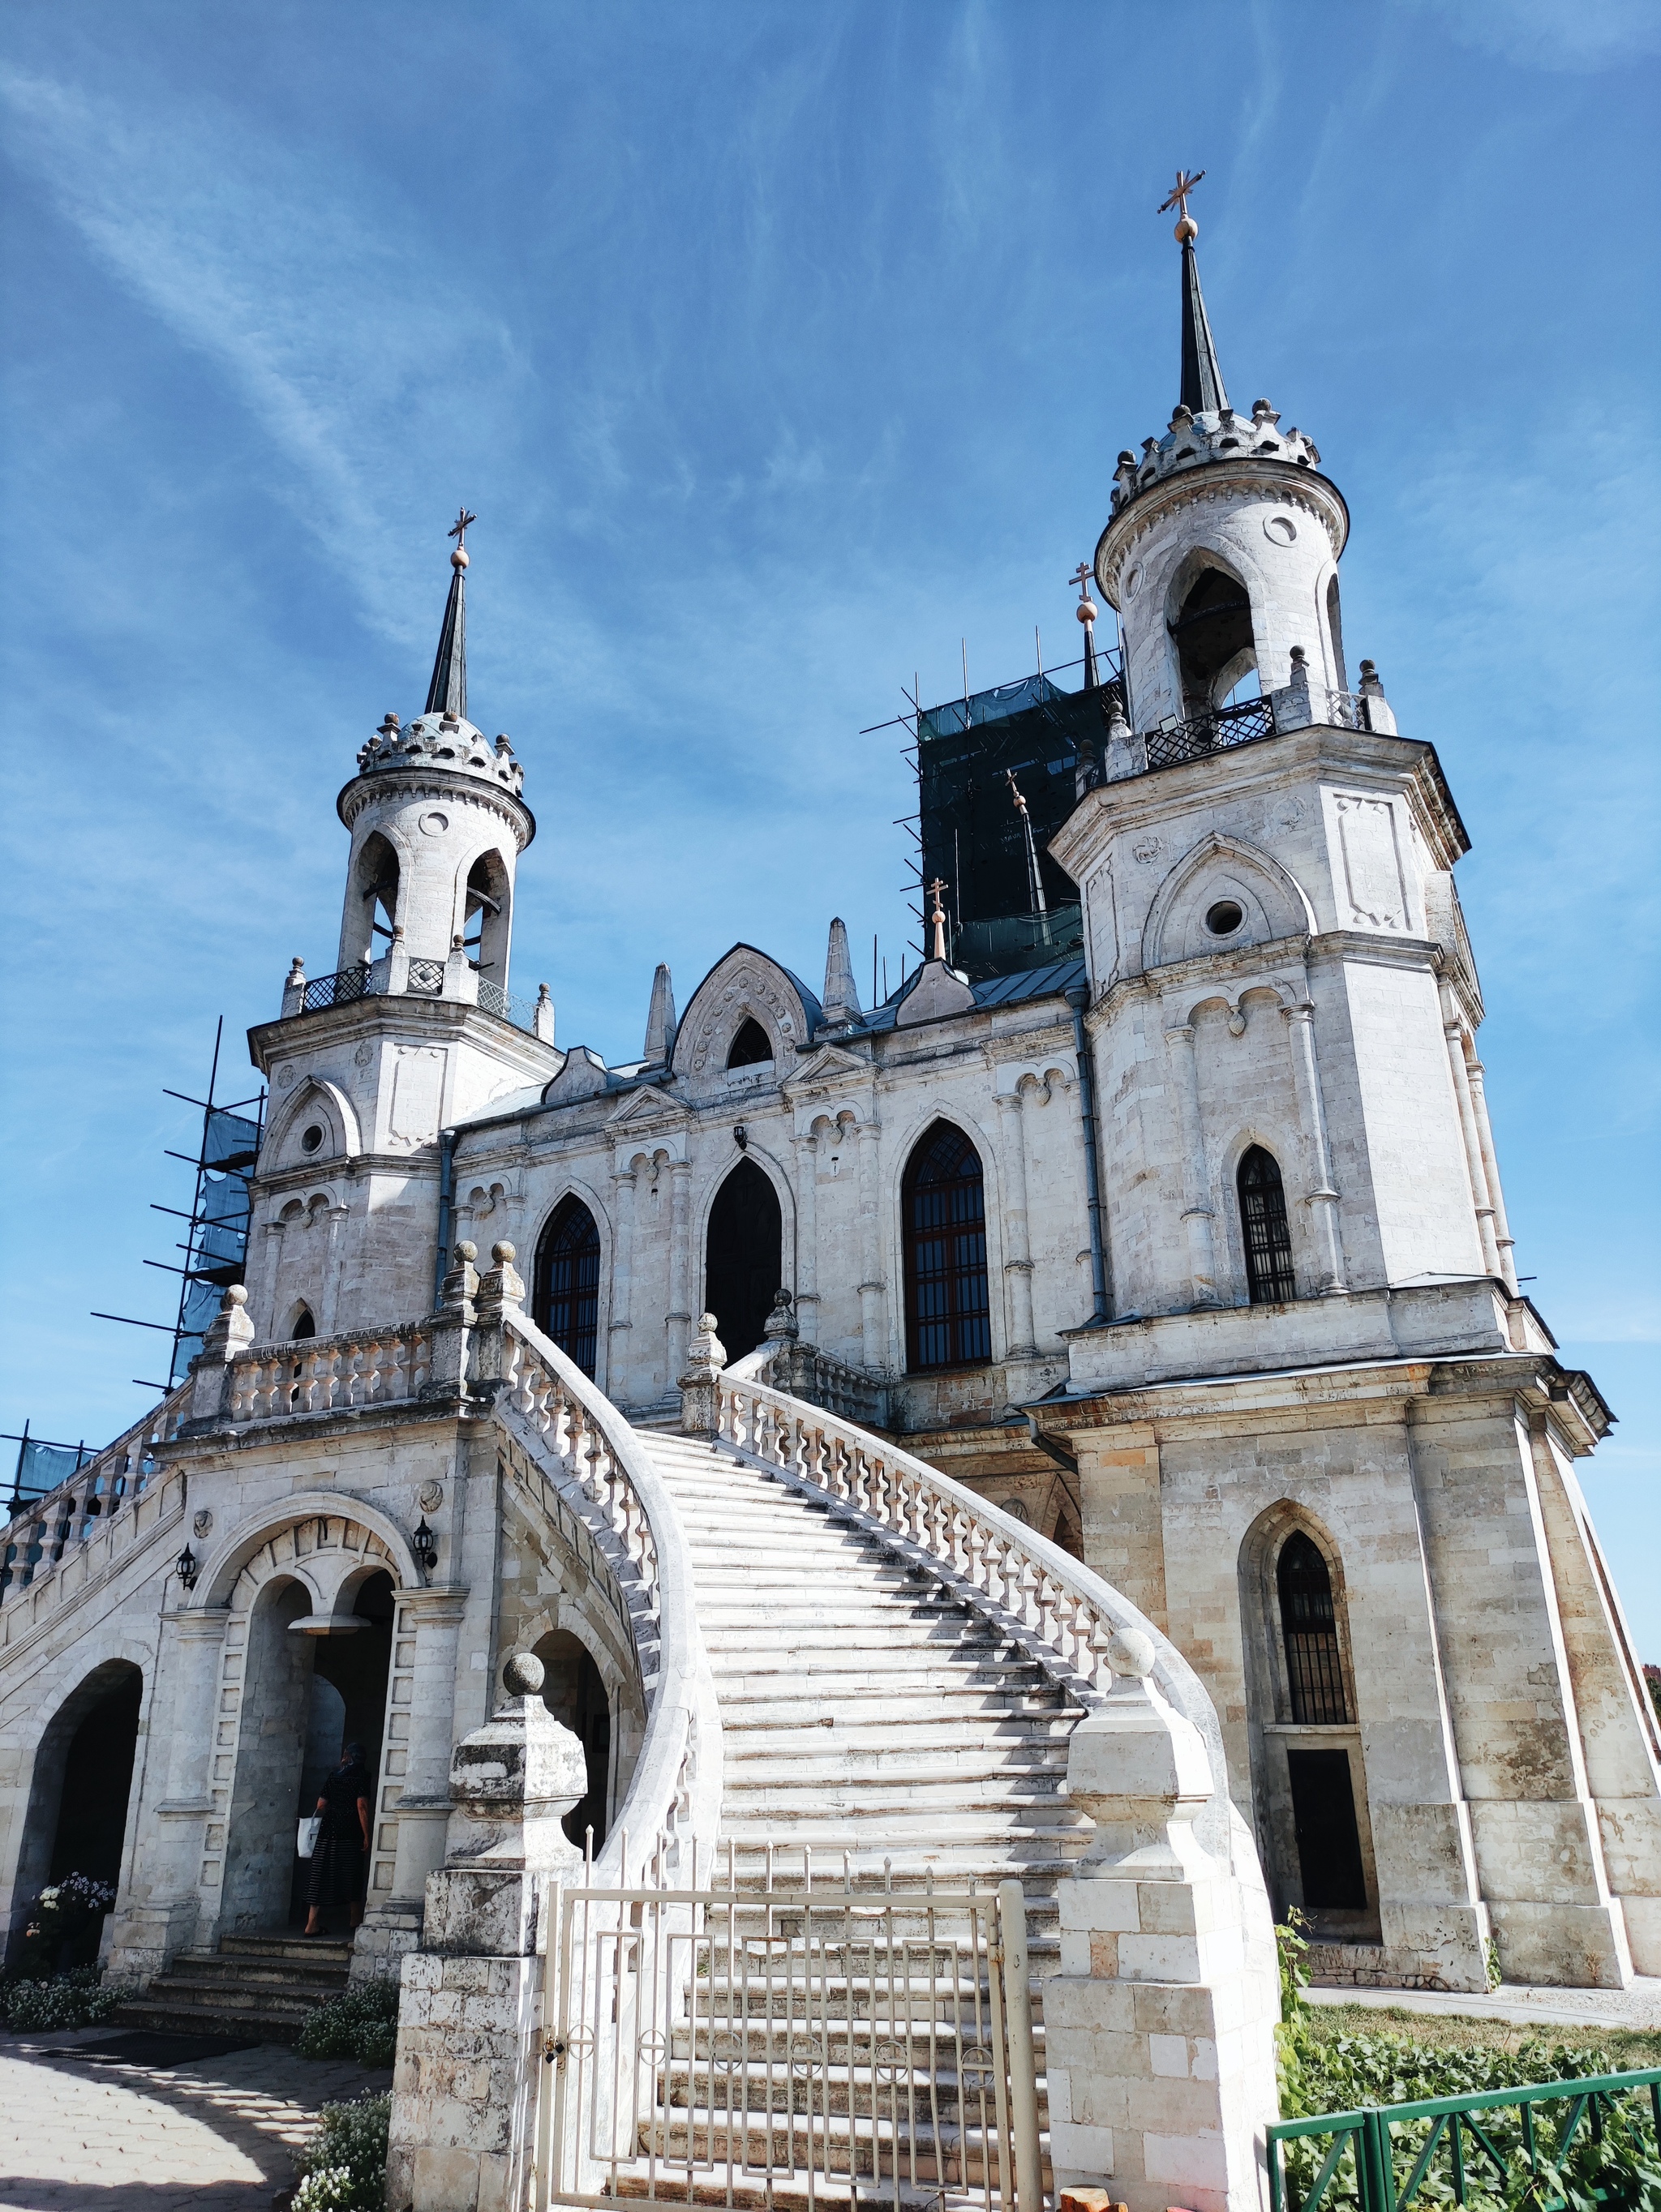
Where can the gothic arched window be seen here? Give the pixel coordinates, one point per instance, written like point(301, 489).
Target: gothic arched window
point(377, 880)
point(752, 1044)
point(743, 1257)
point(1335, 632)
point(948, 1312)
point(565, 1291)
point(304, 1325)
point(1308, 1630)
point(1269, 1276)
point(1211, 632)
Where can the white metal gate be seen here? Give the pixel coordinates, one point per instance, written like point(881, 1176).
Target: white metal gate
point(759, 2045)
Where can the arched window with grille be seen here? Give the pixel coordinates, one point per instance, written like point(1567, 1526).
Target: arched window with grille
point(947, 1309)
point(1269, 1276)
point(1308, 1631)
point(565, 1289)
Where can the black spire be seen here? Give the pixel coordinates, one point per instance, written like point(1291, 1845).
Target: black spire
point(1202, 392)
point(1202, 379)
point(447, 692)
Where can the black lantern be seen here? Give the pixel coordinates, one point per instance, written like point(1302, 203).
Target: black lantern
point(185, 1567)
point(426, 1547)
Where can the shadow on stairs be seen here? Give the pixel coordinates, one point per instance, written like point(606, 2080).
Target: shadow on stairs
point(259, 1985)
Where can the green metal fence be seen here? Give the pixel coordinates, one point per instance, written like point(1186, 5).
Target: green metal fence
point(1458, 2149)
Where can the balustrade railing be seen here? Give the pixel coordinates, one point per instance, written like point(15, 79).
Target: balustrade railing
point(585, 1448)
point(1058, 1607)
point(41, 1532)
point(336, 990)
point(422, 979)
point(328, 1374)
point(1174, 742)
point(803, 1370)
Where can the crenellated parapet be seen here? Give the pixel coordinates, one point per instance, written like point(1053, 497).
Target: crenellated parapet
point(445, 742)
point(1193, 439)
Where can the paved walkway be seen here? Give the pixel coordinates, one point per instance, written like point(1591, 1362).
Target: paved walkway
point(1637, 2007)
point(215, 2136)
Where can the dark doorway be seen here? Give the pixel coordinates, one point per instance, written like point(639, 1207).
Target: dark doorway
point(565, 1292)
point(575, 1696)
point(742, 1267)
point(1269, 1277)
point(1324, 1823)
point(947, 1321)
point(346, 1703)
point(91, 1813)
point(1213, 636)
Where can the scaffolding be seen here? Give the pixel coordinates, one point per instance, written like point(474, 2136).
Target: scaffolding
point(215, 1246)
point(1010, 905)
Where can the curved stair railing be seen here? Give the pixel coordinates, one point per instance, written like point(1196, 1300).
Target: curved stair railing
point(589, 1455)
point(1058, 1609)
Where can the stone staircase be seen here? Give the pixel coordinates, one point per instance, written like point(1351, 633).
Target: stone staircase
point(875, 1727)
point(260, 1986)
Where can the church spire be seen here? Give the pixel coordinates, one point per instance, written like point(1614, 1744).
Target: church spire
point(1202, 392)
point(447, 692)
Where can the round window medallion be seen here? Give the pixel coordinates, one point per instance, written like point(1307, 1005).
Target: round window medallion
point(434, 825)
point(312, 1139)
point(1225, 918)
point(1280, 530)
point(1133, 577)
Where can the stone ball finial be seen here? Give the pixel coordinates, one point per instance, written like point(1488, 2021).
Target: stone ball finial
point(1087, 610)
point(235, 1296)
point(708, 1324)
point(458, 558)
point(1299, 656)
point(1130, 1652)
point(522, 1676)
point(466, 1252)
point(503, 1254)
point(1186, 231)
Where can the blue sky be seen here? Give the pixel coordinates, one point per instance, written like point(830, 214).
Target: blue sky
point(778, 349)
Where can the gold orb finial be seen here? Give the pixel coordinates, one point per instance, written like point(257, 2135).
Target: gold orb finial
point(1187, 229)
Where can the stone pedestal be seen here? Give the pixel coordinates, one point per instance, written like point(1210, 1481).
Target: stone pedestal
point(464, 2093)
point(1159, 2027)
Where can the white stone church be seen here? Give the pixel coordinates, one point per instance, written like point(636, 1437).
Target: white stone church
point(1145, 1250)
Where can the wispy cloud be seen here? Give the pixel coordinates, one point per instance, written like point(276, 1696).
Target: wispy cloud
point(1576, 36)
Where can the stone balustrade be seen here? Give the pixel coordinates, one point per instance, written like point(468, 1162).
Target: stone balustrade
point(41, 1532)
point(329, 1374)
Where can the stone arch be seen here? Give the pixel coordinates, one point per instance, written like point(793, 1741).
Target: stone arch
point(252, 1550)
point(121, 1678)
point(484, 901)
point(744, 984)
point(737, 1213)
point(1330, 626)
point(577, 1327)
point(1213, 631)
point(375, 896)
point(1285, 1147)
point(316, 1101)
point(1221, 869)
point(919, 1118)
point(1314, 1839)
point(946, 1285)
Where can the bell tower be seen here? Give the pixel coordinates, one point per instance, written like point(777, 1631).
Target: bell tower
point(415, 1029)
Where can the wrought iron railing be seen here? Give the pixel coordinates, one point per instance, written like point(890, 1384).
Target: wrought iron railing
point(426, 975)
point(336, 990)
point(1459, 2146)
point(495, 1000)
point(1174, 742)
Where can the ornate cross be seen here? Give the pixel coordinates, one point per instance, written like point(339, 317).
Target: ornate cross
point(1179, 191)
point(937, 921)
point(458, 529)
point(1082, 576)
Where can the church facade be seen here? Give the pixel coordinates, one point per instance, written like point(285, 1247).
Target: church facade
point(1182, 1243)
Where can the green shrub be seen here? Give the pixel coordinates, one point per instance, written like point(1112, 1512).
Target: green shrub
point(343, 2168)
point(47, 2007)
point(1326, 2068)
point(360, 2023)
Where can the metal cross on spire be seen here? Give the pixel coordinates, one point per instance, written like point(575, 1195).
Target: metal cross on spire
point(458, 529)
point(1085, 610)
point(937, 921)
point(1177, 199)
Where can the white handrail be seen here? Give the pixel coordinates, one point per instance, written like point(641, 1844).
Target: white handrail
point(553, 1410)
point(1053, 1601)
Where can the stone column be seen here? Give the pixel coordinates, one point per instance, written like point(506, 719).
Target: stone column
point(466, 2086)
point(623, 1265)
point(1454, 1030)
point(418, 1742)
point(1159, 2026)
point(807, 1250)
point(1322, 1198)
point(1197, 1215)
point(1505, 1242)
point(1022, 1343)
point(680, 1291)
point(229, 1333)
point(873, 1319)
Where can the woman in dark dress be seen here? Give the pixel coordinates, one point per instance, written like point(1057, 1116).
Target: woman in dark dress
point(341, 1859)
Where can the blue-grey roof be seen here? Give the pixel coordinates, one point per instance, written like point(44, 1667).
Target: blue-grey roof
point(1046, 982)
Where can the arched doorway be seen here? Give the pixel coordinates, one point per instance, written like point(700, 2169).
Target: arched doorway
point(743, 1268)
point(298, 1687)
point(574, 1693)
point(1211, 632)
point(565, 1282)
point(76, 1822)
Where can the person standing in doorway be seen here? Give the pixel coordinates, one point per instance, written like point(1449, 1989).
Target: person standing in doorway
point(340, 1860)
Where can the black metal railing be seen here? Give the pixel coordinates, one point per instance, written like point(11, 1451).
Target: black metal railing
point(426, 975)
point(495, 1000)
point(1219, 731)
point(336, 990)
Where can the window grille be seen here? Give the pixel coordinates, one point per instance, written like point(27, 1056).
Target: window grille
point(947, 1307)
point(1270, 1275)
point(566, 1300)
point(1309, 1626)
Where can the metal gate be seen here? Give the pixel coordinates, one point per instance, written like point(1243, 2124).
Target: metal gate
point(760, 2046)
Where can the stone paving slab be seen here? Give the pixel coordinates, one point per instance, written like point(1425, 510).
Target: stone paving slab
point(1528, 2004)
point(217, 2134)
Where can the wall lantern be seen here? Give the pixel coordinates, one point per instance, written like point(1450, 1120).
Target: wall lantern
point(185, 1567)
point(426, 1546)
